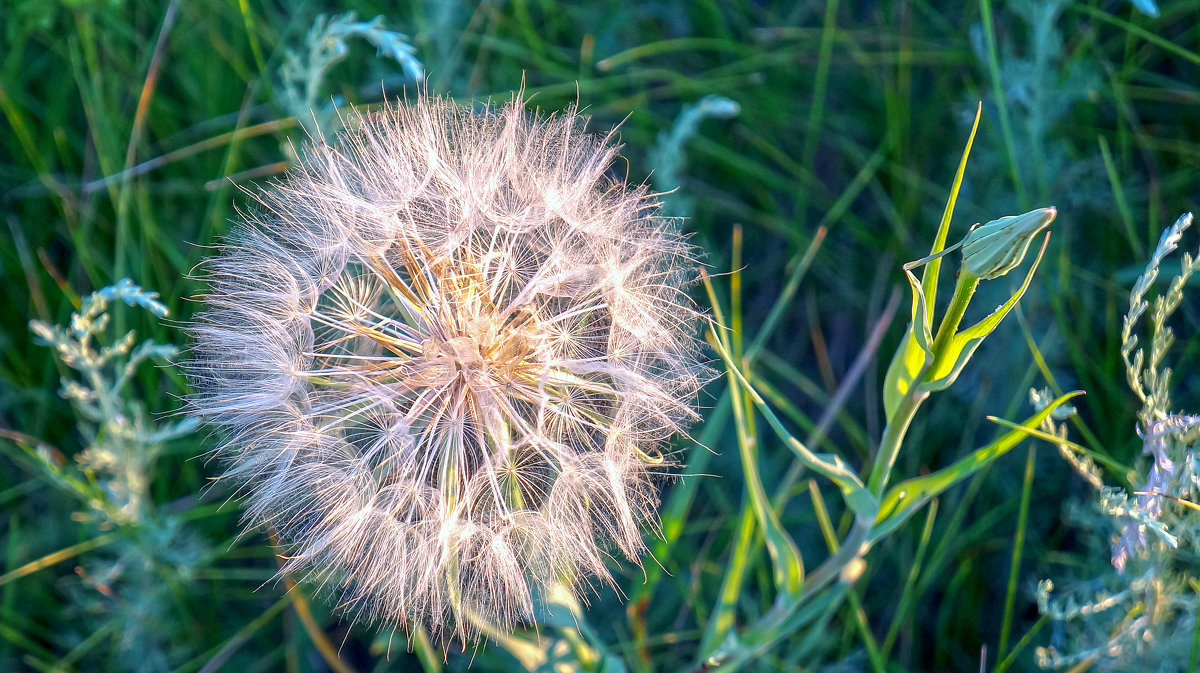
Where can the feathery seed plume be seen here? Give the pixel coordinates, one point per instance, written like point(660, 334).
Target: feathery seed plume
point(447, 356)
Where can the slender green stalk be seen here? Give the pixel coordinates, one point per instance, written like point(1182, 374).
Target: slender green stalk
point(1095, 448)
point(59, 556)
point(910, 583)
point(1018, 549)
point(964, 289)
point(216, 658)
point(785, 556)
point(1008, 661)
point(1010, 147)
point(817, 110)
point(878, 664)
point(255, 48)
point(721, 621)
point(856, 609)
point(1153, 38)
point(1114, 181)
point(893, 436)
point(785, 297)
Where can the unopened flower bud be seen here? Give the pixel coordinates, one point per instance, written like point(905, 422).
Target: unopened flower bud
point(993, 249)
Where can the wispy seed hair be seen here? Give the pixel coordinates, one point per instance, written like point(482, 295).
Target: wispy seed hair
point(447, 355)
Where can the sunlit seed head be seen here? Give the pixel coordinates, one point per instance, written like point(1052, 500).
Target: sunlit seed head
point(448, 354)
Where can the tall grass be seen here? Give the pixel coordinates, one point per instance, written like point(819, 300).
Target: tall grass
point(131, 129)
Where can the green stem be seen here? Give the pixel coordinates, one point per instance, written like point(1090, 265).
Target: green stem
point(722, 620)
point(774, 624)
point(964, 289)
point(1018, 548)
point(893, 436)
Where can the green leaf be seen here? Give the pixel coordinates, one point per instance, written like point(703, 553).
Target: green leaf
point(915, 353)
point(915, 350)
point(929, 278)
point(962, 345)
point(828, 465)
point(786, 562)
point(909, 496)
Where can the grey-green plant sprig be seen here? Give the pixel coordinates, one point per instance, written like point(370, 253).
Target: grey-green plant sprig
point(668, 155)
point(122, 441)
point(1143, 616)
point(326, 44)
point(130, 586)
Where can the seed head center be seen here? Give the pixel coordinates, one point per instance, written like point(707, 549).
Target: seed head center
point(484, 353)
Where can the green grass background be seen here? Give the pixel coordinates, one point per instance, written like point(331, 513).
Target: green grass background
point(119, 159)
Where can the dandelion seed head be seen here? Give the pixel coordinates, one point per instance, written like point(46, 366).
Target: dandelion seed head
point(447, 355)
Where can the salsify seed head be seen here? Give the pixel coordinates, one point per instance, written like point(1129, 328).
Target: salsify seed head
point(447, 355)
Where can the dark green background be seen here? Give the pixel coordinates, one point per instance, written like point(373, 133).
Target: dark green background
point(853, 116)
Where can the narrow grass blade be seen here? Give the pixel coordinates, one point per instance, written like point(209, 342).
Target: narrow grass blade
point(905, 498)
point(1008, 661)
point(787, 565)
point(1010, 146)
point(1018, 550)
point(58, 557)
point(1152, 38)
point(856, 609)
point(929, 278)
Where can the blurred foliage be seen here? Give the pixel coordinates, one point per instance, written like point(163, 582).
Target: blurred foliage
point(130, 129)
point(1142, 612)
point(303, 74)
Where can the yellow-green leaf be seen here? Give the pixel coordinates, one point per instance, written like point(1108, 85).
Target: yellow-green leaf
point(915, 353)
point(929, 278)
point(962, 345)
point(907, 497)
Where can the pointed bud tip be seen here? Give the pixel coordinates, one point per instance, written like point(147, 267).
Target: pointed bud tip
point(993, 249)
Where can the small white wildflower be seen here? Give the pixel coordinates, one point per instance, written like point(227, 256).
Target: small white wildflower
point(447, 356)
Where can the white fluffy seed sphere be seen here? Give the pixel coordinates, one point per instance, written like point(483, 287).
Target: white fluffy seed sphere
point(446, 356)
